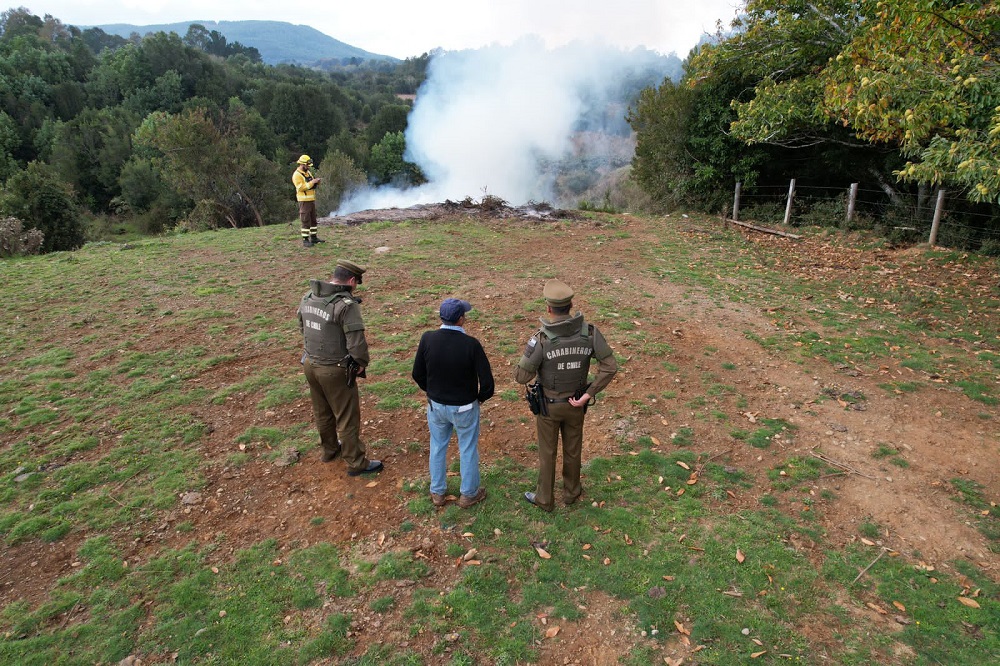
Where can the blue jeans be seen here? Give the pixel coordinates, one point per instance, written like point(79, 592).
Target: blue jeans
point(464, 420)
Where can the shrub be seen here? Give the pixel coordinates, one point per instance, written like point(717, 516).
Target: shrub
point(41, 200)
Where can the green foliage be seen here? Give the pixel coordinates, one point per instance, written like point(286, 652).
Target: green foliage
point(386, 163)
point(162, 129)
point(41, 200)
point(340, 175)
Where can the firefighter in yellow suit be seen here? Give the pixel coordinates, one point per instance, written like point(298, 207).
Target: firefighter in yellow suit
point(305, 194)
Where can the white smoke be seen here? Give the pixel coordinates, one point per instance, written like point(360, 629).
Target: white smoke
point(497, 120)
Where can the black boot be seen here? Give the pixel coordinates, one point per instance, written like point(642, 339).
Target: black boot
point(306, 242)
point(316, 240)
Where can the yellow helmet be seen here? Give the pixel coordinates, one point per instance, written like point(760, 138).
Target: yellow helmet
point(305, 159)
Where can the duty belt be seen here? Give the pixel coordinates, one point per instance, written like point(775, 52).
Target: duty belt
point(552, 400)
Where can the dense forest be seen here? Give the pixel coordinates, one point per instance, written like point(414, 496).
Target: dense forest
point(103, 135)
point(99, 133)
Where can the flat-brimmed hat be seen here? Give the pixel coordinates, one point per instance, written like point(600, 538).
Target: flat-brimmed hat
point(557, 293)
point(353, 268)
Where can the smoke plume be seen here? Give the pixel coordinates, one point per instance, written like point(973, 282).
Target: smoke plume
point(520, 122)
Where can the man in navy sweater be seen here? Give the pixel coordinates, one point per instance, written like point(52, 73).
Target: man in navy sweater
point(452, 368)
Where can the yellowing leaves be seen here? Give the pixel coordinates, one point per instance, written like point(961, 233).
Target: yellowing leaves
point(971, 603)
point(552, 632)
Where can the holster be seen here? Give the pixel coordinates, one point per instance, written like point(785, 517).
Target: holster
point(354, 370)
point(536, 399)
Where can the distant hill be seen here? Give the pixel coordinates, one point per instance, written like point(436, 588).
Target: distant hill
point(277, 41)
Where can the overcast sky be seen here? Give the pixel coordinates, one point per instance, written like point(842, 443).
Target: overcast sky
point(405, 28)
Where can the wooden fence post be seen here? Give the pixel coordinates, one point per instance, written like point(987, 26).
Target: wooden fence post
point(851, 199)
point(937, 218)
point(736, 201)
point(788, 206)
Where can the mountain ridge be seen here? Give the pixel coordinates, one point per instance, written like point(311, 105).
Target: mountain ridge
point(277, 41)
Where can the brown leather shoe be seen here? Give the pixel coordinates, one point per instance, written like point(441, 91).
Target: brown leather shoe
point(329, 456)
point(465, 501)
point(438, 500)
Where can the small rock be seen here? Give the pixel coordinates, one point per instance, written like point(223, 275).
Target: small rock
point(20, 478)
point(745, 631)
point(288, 457)
point(130, 660)
point(191, 498)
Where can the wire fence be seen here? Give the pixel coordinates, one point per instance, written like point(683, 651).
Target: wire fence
point(937, 217)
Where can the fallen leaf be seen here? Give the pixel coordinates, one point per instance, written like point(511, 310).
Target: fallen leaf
point(661, 481)
point(587, 546)
point(668, 578)
point(683, 464)
point(381, 538)
point(681, 628)
point(758, 654)
point(607, 561)
point(758, 641)
point(470, 555)
point(474, 562)
point(655, 441)
point(628, 541)
point(731, 494)
point(680, 491)
point(899, 606)
point(971, 603)
point(542, 553)
point(867, 542)
point(693, 480)
point(371, 484)
point(551, 632)
point(468, 535)
point(586, 557)
point(740, 556)
point(877, 609)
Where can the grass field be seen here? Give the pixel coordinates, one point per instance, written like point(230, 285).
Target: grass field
point(150, 390)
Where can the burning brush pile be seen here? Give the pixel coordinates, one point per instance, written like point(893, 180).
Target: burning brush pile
point(489, 207)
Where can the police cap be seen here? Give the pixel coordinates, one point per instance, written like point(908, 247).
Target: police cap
point(557, 293)
point(350, 266)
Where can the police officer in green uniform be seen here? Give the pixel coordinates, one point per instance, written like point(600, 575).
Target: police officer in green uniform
point(334, 334)
point(560, 354)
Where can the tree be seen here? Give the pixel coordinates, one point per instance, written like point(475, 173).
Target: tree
point(230, 182)
point(389, 119)
point(41, 200)
point(922, 75)
point(340, 176)
point(90, 150)
point(387, 165)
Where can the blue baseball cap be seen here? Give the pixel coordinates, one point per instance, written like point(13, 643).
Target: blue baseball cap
point(452, 309)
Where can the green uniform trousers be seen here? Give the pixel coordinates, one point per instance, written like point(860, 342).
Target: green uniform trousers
point(337, 408)
point(565, 419)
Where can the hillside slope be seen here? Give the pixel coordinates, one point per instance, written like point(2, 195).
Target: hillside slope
point(277, 41)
